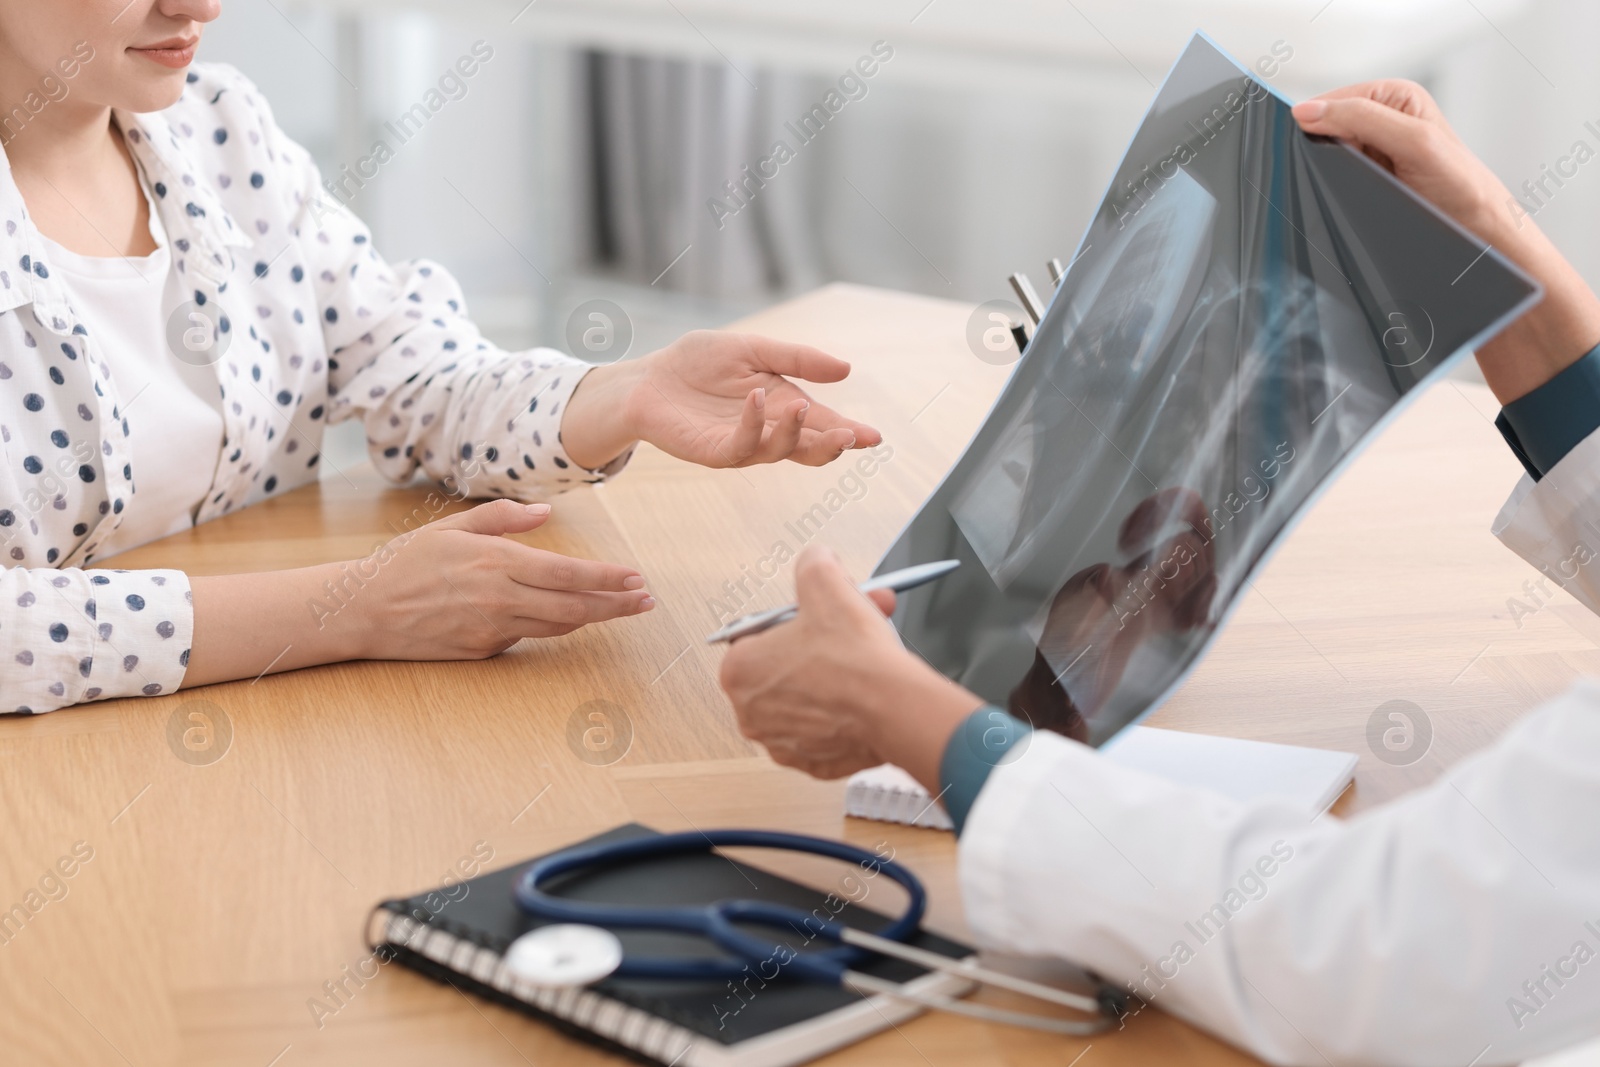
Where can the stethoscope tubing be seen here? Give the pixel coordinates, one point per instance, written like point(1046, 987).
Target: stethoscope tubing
point(717, 921)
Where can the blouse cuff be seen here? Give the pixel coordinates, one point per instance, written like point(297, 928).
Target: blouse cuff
point(526, 460)
point(78, 635)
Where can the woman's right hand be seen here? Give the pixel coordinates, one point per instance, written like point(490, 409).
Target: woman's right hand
point(458, 588)
point(1398, 125)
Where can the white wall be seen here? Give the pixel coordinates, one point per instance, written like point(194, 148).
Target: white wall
point(986, 143)
point(1497, 95)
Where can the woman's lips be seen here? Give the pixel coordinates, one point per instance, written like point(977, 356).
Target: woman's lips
point(175, 54)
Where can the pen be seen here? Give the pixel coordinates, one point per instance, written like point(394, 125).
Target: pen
point(1029, 297)
point(899, 581)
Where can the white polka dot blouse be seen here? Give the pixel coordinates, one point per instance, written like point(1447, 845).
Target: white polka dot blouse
point(307, 325)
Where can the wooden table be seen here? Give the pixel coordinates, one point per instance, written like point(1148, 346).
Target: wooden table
point(222, 896)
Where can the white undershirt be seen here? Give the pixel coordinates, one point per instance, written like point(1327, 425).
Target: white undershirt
point(124, 303)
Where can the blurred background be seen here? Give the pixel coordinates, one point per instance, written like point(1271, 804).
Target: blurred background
point(618, 149)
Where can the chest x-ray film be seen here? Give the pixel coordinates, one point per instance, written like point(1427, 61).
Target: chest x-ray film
point(1248, 306)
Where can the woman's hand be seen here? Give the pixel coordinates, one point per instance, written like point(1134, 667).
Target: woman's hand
point(717, 399)
point(458, 589)
point(453, 589)
point(833, 691)
point(1398, 124)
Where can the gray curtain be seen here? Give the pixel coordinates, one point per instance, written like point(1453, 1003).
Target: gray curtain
point(661, 137)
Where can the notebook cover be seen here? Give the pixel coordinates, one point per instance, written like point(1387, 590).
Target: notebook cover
point(488, 916)
point(1236, 767)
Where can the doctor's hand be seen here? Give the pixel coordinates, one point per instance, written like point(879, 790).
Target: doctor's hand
point(833, 691)
point(1399, 125)
point(717, 399)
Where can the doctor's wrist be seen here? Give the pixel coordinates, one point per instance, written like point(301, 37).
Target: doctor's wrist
point(911, 716)
point(1552, 335)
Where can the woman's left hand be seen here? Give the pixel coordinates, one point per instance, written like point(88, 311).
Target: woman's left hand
point(717, 399)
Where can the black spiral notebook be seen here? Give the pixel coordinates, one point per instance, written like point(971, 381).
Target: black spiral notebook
point(750, 1023)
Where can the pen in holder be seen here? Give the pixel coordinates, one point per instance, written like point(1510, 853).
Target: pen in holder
point(1029, 296)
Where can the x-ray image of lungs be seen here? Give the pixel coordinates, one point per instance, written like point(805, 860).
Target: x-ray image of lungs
point(1109, 618)
point(1127, 310)
point(1247, 308)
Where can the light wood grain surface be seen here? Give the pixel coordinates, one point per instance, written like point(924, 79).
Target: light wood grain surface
point(222, 896)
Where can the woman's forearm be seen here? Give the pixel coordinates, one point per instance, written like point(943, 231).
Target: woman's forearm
point(246, 625)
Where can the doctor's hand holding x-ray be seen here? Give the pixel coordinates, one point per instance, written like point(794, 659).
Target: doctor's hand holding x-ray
point(1459, 924)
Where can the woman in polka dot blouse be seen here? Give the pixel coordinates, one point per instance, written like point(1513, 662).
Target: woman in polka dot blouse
point(182, 310)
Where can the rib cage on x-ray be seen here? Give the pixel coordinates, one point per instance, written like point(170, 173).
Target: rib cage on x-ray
point(1247, 307)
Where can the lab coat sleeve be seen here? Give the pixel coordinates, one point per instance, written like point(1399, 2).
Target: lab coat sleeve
point(405, 357)
point(73, 635)
point(1554, 523)
point(1459, 924)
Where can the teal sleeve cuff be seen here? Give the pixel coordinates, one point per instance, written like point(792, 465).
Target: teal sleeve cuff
point(982, 741)
point(1545, 425)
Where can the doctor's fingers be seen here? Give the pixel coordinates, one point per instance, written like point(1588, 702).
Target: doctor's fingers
point(1398, 139)
point(773, 681)
point(1423, 152)
point(1399, 94)
point(820, 759)
point(539, 569)
point(826, 593)
point(801, 717)
point(748, 668)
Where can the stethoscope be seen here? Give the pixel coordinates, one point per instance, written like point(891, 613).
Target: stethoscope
point(578, 947)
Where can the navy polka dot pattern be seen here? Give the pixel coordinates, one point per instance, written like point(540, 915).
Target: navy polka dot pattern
point(319, 329)
point(72, 635)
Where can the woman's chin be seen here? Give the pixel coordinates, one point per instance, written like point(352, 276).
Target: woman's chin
point(150, 90)
point(147, 102)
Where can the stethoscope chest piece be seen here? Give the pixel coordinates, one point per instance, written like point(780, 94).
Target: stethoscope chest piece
point(564, 954)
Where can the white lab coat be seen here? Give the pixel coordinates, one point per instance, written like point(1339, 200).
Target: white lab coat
point(1457, 925)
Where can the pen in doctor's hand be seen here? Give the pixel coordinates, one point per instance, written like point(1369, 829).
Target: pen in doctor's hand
point(899, 581)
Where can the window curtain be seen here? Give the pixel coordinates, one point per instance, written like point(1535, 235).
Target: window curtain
point(671, 162)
